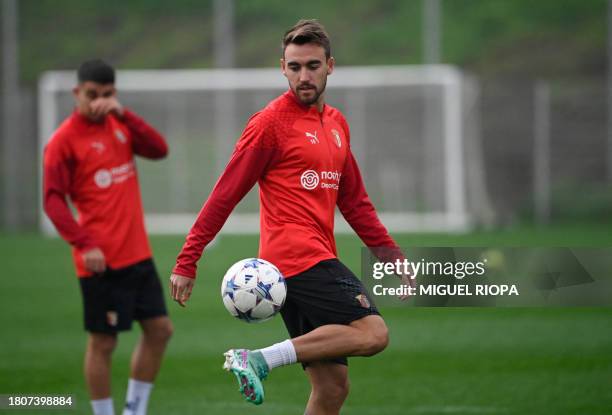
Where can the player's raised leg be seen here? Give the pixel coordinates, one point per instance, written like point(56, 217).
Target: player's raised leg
point(100, 347)
point(146, 361)
point(329, 388)
point(363, 337)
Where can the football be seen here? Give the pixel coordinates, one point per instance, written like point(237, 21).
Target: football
point(253, 290)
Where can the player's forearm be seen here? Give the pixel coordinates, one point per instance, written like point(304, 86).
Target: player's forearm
point(58, 211)
point(56, 182)
point(209, 222)
point(147, 141)
point(376, 237)
point(358, 210)
point(242, 172)
point(366, 223)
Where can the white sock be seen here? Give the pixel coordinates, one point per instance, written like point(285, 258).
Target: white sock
point(103, 406)
point(279, 354)
point(137, 397)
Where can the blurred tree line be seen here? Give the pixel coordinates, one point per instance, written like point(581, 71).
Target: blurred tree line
point(510, 38)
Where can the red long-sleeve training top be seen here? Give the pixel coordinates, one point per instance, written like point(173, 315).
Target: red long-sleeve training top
point(304, 166)
point(93, 164)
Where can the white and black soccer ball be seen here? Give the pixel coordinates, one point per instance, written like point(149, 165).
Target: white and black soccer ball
point(253, 290)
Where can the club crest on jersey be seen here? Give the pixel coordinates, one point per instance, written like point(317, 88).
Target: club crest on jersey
point(313, 137)
point(120, 136)
point(337, 136)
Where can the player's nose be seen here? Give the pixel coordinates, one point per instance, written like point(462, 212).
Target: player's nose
point(304, 75)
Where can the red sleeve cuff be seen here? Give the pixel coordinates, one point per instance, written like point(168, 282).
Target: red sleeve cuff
point(147, 141)
point(178, 270)
point(130, 118)
point(85, 245)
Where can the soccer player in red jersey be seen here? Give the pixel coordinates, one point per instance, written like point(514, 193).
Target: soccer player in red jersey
point(298, 150)
point(90, 159)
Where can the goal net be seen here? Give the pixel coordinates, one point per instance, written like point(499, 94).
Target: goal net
point(407, 123)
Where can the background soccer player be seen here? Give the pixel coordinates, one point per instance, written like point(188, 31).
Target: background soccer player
point(90, 158)
point(298, 149)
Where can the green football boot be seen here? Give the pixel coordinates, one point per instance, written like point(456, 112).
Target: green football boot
point(250, 369)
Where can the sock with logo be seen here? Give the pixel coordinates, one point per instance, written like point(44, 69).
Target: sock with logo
point(279, 354)
point(137, 397)
point(103, 406)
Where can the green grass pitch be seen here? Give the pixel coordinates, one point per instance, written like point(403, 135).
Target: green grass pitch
point(439, 361)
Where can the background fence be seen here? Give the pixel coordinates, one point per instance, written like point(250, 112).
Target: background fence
point(506, 49)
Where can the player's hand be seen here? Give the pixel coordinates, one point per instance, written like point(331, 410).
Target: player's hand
point(94, 260)
point(103, 106)
point(408, 282)
point(180, 288)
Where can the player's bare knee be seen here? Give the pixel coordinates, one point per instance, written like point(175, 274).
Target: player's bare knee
point(333, 392)
point(382, 338)
point(103, 344)
point(377, 339)
point(343, 389)
point(159, 332)
point(166, 331)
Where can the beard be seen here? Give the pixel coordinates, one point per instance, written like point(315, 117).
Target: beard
point(314, 91)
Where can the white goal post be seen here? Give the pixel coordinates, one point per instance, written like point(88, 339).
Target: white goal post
point(407, 132)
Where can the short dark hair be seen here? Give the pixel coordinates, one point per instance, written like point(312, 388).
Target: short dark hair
point(307, 31)
point(96, 70)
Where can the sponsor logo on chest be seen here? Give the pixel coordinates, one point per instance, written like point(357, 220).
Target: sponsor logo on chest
point(104, 178)
point(310, 179)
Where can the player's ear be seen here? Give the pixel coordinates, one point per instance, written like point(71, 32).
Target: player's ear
point(75, 91)
point(282, 63)
point(331, 62)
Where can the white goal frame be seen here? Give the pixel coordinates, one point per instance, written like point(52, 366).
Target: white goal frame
point(454, 218)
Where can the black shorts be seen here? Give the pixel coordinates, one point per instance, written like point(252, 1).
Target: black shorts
point(113, 299)
point(327, 293)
